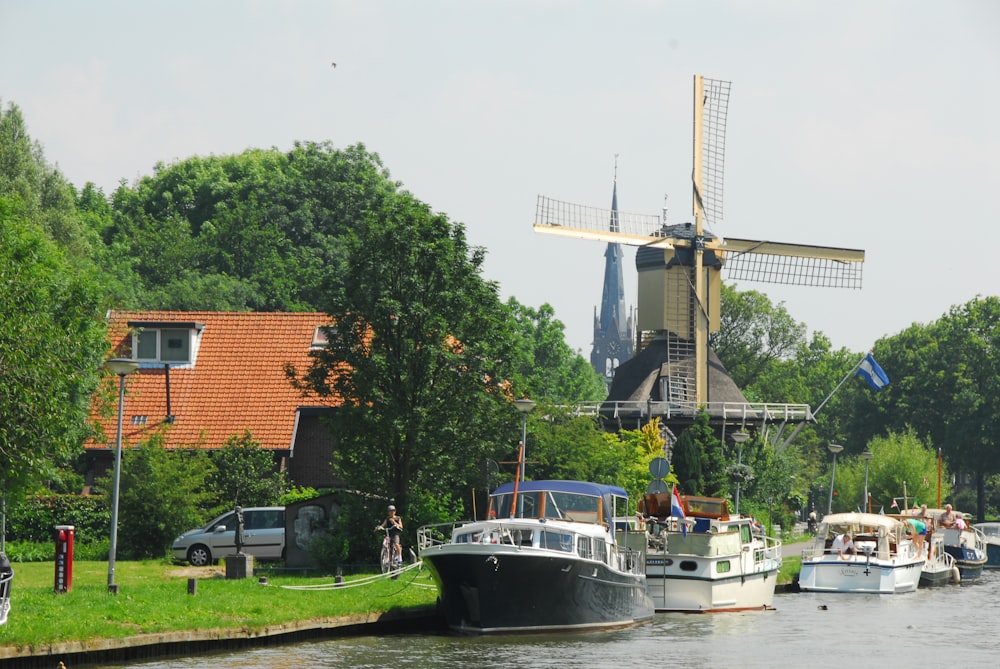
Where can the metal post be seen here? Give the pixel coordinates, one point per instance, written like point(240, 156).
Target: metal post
point(121, 367)
point(740, 438)
point(867, 455)
point(834, 448)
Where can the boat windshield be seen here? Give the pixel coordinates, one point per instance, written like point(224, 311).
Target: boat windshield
point(550, 504)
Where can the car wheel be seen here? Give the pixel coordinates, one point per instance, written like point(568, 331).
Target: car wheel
point(199, 556)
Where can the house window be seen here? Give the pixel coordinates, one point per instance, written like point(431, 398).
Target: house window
point(321, 336)
point(167, 342)
point(163, 345)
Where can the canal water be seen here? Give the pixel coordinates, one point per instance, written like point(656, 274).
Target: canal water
point(947, 626)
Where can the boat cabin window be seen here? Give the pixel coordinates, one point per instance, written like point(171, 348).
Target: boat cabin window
point(600, 550)
point(583, 547)
point(745, 533)
point(550, 504)
point(723, 567)
point(557, 541)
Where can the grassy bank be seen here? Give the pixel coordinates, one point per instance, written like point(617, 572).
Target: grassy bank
point(153, 597)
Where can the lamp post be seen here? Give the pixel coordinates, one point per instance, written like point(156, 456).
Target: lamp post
point(867, 455)
point(834, 448)
point(524, 406)
point(121, 367)
point(740, 438)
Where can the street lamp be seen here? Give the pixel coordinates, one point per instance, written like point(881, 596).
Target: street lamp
point(867, 455)
point(524, 406)
point(740, 438)
point(834, 448)
point(122, 367)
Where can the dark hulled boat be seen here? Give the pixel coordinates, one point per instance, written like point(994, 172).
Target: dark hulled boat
point(547, 558)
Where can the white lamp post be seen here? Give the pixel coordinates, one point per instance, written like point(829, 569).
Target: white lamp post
point(524, 406)
point(740, 438)
point(834, 448)
point(867, 455)
point(121, 367)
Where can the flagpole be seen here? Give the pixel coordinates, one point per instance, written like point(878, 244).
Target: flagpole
point(798, 428)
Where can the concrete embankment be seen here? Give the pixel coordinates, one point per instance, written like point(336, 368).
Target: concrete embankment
point(75, 654)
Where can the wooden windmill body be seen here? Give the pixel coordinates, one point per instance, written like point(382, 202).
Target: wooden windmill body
point(680, 278)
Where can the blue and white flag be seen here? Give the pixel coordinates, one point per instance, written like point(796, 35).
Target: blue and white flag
point(873, 375)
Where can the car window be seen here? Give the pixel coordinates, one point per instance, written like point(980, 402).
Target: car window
point(226, 520)
point(270, 519)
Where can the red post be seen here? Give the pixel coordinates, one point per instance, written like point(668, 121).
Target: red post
point(64, 558)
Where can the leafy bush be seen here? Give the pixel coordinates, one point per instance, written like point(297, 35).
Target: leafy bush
point(162, 494)
point(245, 474)
point(34, 519)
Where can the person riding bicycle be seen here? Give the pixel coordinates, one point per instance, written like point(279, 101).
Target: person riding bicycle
point(394, 525)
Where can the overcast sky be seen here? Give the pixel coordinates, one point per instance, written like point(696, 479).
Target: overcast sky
point(854, 123)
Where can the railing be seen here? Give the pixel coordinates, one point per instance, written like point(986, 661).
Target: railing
point(622, 558)
point(735, 411)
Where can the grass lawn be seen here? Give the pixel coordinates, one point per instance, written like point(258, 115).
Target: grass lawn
point(153, 597)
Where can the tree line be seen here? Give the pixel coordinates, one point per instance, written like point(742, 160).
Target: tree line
point(436, 356)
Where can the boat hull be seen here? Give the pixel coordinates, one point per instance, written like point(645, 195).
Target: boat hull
point(693, 594)
point(970, 562)
point(931, 577)
point(993, 555)
point(858, 574)
point(494, 589)
point(713, 572)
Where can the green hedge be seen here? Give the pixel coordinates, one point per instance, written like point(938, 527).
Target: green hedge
point(34, 519)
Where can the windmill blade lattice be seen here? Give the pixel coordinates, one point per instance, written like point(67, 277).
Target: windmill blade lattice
point(793, 271)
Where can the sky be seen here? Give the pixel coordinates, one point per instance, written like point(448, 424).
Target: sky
point(858, 123)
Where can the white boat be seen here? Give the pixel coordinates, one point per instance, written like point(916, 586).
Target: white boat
point(709, 561)
point(939, 567)
point(991, 535)
point(885, 561)
point(547, 558)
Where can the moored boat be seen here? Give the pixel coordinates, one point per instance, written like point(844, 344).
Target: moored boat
point(964, 543)
point(885, 559)
point(939, 567)
point(991, 535)
point(706, 561)
point(548, 557)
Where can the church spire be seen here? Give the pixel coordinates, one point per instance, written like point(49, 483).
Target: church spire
point(613, 329)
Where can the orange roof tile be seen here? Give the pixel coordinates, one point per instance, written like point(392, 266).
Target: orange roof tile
point(237, 382)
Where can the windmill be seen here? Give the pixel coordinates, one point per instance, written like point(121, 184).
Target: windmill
point(680, 266)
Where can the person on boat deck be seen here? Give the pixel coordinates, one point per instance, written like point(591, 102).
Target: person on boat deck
point(960, 521)
point(843, 545)
point(918, 530)
point(947, 519)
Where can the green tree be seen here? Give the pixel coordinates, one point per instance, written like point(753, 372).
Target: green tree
point(753, 333)
point(550, 369)
point(945, 383)
point(51, 346)
point(161, 495)
point(901, 462)
point(420, 357)
point(245, 474)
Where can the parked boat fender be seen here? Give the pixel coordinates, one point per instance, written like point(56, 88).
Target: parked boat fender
point(956, 576)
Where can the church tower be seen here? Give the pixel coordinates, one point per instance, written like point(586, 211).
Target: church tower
point(614, 328)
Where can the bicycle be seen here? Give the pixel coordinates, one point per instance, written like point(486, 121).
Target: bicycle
point(386, 558)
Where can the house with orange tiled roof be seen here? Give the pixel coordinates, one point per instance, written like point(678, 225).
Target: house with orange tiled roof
point(205, 377)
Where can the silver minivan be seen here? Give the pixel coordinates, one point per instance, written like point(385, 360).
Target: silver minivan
point(263, 537)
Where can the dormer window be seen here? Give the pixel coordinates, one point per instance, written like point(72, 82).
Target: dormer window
point(321, 336)
point(174, 343)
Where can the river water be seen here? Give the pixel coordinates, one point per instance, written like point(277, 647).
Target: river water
point(927, 628)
